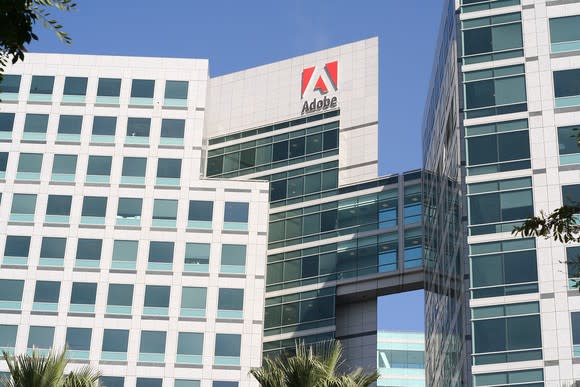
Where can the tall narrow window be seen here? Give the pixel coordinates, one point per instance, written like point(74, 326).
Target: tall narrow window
point(567, 87)
point(8, 337)
point(11, 294)
point(569, 144)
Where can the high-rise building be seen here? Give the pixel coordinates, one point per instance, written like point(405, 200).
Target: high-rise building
point(401, 359)
point(504, 105)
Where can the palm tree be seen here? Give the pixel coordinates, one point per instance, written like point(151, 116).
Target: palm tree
point(316, 366)
point(46, 371)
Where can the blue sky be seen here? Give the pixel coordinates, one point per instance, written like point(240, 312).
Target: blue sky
point(235, 35)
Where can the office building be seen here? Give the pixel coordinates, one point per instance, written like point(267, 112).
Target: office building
point(504, 105)
point(401, 359)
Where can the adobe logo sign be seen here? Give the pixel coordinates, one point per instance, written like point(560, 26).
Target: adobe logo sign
point(317, 80)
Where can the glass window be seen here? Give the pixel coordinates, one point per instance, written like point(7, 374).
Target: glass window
point(231, 299)
point(89, 249)
point(189, 343)
point(169, 168)
point(149, 382)
point(227, 345)
point(564, 33)
point(6, 122)
point(23, 204)
point(569, 144)
point(152, 342)
point(171, 128)
point(576, 332)
point(78, 339)
point(129, 208)
point(571, 195)
point(501, 35)
point(161, 252)
point(125, 250)
point(233, 255)
point(115, 340)
point(157, 296)
point(138, 127)
point(142, 88)
point(70, 124)
point(64, 164)
point(99, 165)
point(35, 123)
point(104, 126)
point(197, 253)
point(3, 161)
point(134, 166)
point(193, 298)
point(10, 83)
point(95, 206)
point(217, 383)
point(41, 84)
point(58, 205)
point(165, 209)
point(11, 290)
point(52, 247)
point(236, 212)
point(8, 337)
point(567, 83)
point(83, 293)
point(176, 89)
point(47, 291)
point(40, 337)
point(30, 163)
point(17, 246)
point(200, 210)
point(109, 87)
point(120, 294)
point(112, 381)
point(75, 86)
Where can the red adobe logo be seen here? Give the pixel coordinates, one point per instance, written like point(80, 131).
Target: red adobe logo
point(330, 73)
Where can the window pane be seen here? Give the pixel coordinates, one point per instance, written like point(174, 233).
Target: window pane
point(193, 298)
point(65, 164)
point(89, 249)
point(489, 335)
point(165, 209)
point(477, 41)
point(189, 343)
point(120, 294)
point(514, 146)
point(23, 204)
point(169, 168)
point(115, 340)
point(75, 86)
point(41, 84)
point(40, 337)
point(142, 88)
point(112, 381)
point(157, 296)
point(524, 332)
point(125, 251)
point(10, 83)
point(30, 162)
point(217, 383)
point(172, 128)
point(3, 161)
point(152, 342)
point(161, 252)
point(58, 205)
point(484, 208)
point(234, 255)
point(99, 165)
point(197, 253)
point(109, 87)
point(231, 299)
point(138, 127)
point(149, 382)
point(176, 89)
point(520, 267)
point(52, 247)
point(571, 195)
point(70, 124)
point(227, 345)
point(129, 207)
point(236, 212)
point(134, 166)
point(47, 291)
point(516, 205)
point(104, 126)
point(11, 290)
point(566, 83)
point(507, 37)
point(35, 123)
point(8, 336)
point(576, 328)
point(200, 210)
point(78, 339)
point(330, 139)
point(17, 246)
point(510, 90)
point(83, 293)
point(479, 94)
point(6, 122)
point(94, 206)
point(565, 29)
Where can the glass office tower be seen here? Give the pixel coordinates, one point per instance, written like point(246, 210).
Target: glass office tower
point(401, 359)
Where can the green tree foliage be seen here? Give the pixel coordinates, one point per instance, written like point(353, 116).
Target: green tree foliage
point(312, 366)
point(17, 18)
point(46, 371)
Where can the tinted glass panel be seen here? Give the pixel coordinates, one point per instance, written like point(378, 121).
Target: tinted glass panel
point(129, 207)
point(149, 382)
point(565, 29)
point(193, 298)
point(170, 168)
point(231, 299)
point(47, 291)
point(40, 337)
point(134, 166)
point(161, 252)
point(571, 195)
point(94, 206)
point(112, 381)
point(104, 126)
point(197, 253)
point(138, 127)
point(75, 86)
point(236, 212)
point(152, 342)
point(10, 83)
point(3, 161)
point(23, 204)
point(30, 162)
point(189, 343)
point(227, 345)
point(11, 290)
point(53, 247)
point(125, 250)
point(566, 83)
point(41, 84)
point(120, 294)
point(115, 340)
point(200, 210)
point(157, 296)
point(58, 205)
point(233, 255)
point(165, 209)
point(83, 293)
point(65, 164)
point(142, 88)
point(35, 123)
point(78, 339)
point(99, 165)
point(109, 87)
point(176, 89)
point(89, 249)
point(6, 122)
point(17, 246)
point(172, 128)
